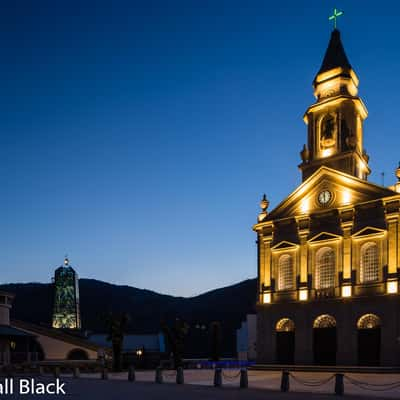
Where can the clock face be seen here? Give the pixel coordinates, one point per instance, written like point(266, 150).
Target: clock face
point(324, 197)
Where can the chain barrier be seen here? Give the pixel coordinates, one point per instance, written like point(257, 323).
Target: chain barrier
point(339, 380)
point(375, 387)
point(169, 374)
point(311, 383)
point(230, 377)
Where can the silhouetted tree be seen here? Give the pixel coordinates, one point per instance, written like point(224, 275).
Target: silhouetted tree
point(215, 340)
point(175, 338)
point(116, 324)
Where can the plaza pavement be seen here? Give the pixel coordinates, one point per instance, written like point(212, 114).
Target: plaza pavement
point(198, 386)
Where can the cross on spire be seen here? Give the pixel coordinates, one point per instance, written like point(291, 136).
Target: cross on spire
point(335, 16)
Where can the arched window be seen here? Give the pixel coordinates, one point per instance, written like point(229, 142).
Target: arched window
point(328, 131)
point(324, 321)
point(285, 272)
point(325, 268)
point(77, 354)
point(369, 321)
point(369, 266)
point(285, 325)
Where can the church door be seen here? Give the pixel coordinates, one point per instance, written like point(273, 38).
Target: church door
point(285, 347)
point(369, 339)
point(369, 343)
point(285, 334)
point(324, 340)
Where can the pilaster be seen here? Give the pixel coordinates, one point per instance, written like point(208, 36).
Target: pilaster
point(346, 223)
point(392, 214)
point(303, 230)
point(265, 237)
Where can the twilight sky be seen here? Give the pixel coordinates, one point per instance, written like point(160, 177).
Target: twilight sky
point(138, 137)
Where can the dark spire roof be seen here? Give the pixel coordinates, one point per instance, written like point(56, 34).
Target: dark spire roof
point(335, 55)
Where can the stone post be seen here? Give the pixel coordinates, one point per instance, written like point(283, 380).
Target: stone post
point(244, 379)
point(131, 374)
point(339, 386)
point(218, 377)
point(180, 379)
point(159, 376)
point(285, 381)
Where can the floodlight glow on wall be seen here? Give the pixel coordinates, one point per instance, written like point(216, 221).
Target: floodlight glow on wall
point(346, 291)
point(303, 294)
point(392, 287)
point(267, 298)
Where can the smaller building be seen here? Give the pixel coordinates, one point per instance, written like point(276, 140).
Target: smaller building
point(57, 345)
point(246, 339)
point(15, 344)
point(24, 342)
point(66, 314)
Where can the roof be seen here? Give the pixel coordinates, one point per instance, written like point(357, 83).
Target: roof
point(6, 330)
point(8, 294)
point(335, 55)
point(55, 334)
point(360, 190)
point(132, 342)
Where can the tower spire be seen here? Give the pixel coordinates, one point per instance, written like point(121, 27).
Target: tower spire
point(335, 55)
point(335, 136)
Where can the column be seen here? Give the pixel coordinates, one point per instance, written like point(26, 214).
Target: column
point(346, 223)
point(303, 230)
point(266, 262)
point(265, 236)
point(392, 222)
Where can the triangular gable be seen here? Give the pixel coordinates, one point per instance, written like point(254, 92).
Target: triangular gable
point(284, 245)
point(323, 236)
point(345, 189)
point(368, 230)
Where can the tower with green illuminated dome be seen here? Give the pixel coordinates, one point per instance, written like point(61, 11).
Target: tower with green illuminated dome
point(66, 313)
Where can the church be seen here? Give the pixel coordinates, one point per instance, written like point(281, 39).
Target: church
point(329, 253)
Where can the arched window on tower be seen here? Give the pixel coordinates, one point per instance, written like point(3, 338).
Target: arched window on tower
point(369, 266)
point(328, 131)
point(325, 268)
point(285, 272)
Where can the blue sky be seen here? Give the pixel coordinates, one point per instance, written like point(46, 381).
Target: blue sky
point(138, 137)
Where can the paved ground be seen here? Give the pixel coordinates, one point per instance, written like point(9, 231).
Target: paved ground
point(122, 390)
point(198, 385)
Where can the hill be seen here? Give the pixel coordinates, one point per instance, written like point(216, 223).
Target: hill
point(147, 309)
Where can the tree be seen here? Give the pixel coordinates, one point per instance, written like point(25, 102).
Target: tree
point(116, 324)
point(175, 338)
point(215, 340)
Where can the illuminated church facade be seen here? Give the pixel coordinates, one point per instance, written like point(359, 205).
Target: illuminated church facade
point(329, 254)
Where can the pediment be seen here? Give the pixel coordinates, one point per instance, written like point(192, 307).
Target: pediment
point(323, 236)
point(368, 230)
point(284, 245)
point(344, 190)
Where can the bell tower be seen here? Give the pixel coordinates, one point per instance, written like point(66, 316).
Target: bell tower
point(335, 120)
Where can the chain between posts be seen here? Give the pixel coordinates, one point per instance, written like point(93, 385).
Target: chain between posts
point(230, 377)
point(375, 387)
point(170, 374)
point(311, 383)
